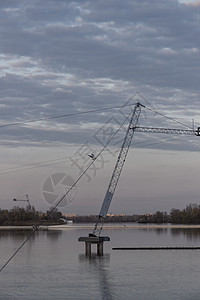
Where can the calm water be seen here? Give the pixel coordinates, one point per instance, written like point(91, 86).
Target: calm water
point(52, 265)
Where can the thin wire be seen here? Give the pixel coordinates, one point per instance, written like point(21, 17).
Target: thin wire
point(65, 194)
point(79, 178)
point(145, 100)
point(49, 163)
point(53, 162)
point(169, 118)
point(138, 145)
point(66, 115)
point(31, 166)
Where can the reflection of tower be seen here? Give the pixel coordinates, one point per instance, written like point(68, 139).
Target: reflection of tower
point(58, 184)
point(98, 267)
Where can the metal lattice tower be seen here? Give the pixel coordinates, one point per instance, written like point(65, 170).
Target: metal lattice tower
point(168, 130)
point(118, 169)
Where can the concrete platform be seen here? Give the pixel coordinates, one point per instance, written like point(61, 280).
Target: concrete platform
point(98, 240)
point(94, 239)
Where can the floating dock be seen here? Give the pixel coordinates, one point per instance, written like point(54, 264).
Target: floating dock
point(156, 248)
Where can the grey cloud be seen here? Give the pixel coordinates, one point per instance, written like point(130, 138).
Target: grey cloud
point(67, 56)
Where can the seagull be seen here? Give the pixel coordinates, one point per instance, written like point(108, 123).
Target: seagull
point(91, 156)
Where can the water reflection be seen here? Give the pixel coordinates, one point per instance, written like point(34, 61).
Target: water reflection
point(99, 266)
point(10, 241)
point(161, 230)
point(152, 229)
point(189, 233)
point(17, 235)
point(53, 235)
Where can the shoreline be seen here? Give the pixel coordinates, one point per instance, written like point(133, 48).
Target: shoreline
point(89, 226)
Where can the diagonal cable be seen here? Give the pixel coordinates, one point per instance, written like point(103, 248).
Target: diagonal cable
point(64, 195)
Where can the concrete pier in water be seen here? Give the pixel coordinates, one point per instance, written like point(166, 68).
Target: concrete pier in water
point(98, 240)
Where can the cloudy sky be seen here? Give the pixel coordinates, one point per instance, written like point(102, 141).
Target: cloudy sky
point(62, 63)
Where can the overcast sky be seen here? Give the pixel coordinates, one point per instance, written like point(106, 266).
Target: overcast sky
point(62, 57)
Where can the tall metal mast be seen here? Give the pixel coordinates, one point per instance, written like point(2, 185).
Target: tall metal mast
point(94, 237)
point(117, 170)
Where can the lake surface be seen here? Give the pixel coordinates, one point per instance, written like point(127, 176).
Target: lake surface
point(52, 265)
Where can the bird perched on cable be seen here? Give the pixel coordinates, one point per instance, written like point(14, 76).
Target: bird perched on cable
point(91, 156)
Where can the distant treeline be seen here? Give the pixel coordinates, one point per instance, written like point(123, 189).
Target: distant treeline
point(158, 217)
point(112, 218)
point(29, 216)
point(189, 215)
